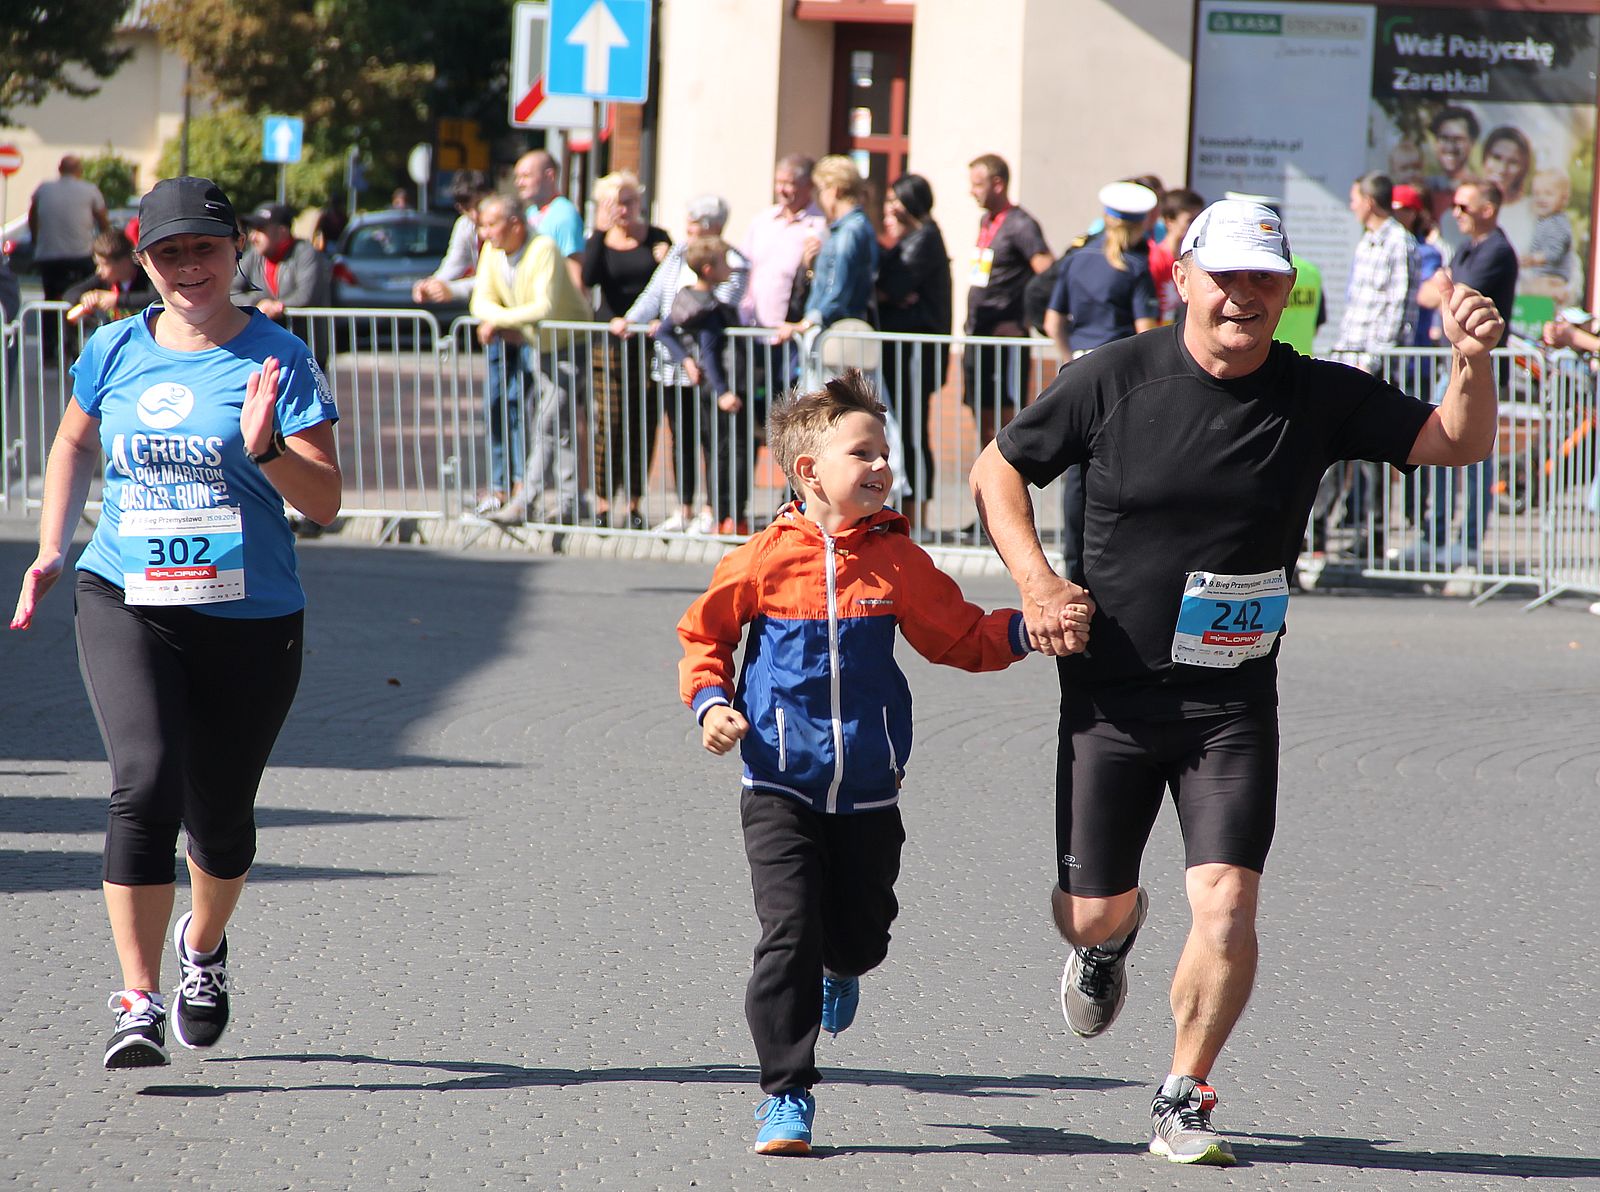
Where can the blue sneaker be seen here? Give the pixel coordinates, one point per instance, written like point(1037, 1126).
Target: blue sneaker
point(840, 998)
point(786, 1123)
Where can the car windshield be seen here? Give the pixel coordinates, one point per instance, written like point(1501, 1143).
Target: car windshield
point(398, 240)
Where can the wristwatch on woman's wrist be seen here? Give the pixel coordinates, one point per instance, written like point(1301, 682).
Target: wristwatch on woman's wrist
point(274, 449)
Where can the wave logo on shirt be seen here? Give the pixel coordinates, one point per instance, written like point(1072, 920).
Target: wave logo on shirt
point(163, 406)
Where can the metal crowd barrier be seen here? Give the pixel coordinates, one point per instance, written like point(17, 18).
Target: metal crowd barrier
point(587, 432)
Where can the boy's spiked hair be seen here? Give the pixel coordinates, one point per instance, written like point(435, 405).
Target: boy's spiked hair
point(801, 423)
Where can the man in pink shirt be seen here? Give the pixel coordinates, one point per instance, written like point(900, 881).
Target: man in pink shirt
point(783, 240)
point(777, 243)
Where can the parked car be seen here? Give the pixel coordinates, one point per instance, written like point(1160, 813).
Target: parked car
point(16, 242)
point(382, 254)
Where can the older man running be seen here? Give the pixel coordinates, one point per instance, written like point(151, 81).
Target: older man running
point(1202, 444)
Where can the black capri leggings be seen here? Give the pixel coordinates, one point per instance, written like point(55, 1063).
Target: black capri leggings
point(189, 706)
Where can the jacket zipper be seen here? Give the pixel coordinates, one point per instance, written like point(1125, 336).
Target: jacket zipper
point(894, 762)
point(783, 749)
point(833, 677)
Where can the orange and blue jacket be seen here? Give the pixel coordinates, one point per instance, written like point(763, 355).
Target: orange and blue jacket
point(829, 710)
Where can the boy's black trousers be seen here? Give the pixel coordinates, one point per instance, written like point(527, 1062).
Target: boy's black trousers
point(824, 892)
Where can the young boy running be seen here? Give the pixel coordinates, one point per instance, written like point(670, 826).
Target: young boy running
point(823, 717)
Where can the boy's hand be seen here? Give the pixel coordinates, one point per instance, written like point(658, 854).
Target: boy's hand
point(722, 729)
point(1045, 601)
point(692, 371)
point(1075, 620)
point(730, 402)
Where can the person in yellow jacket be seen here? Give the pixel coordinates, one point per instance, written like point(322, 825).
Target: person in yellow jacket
point(520, 284)
point(1306, 310)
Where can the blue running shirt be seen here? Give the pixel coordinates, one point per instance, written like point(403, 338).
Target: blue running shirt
point(204, 527)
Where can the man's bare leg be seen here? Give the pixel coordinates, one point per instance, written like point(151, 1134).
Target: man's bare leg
point(1218, 967)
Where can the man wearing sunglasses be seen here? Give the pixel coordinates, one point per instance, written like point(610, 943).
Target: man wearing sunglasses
point(1488, 263)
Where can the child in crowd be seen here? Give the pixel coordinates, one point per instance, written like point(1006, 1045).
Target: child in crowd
point(694, 334)
point(823, 718)
point(1548, 258)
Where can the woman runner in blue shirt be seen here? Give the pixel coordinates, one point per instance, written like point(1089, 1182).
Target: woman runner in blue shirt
point(207, 417)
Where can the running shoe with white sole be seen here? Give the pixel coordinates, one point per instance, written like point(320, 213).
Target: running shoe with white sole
point(200, 1007)
point(1182, 1133)
point(1094, 983)
point(140, 1037)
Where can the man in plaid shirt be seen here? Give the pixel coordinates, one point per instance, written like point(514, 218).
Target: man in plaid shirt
point(1380, 313)
point(1381, 303)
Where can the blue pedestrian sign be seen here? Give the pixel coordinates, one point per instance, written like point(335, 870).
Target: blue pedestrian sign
point(280, 138)
point(598, 49)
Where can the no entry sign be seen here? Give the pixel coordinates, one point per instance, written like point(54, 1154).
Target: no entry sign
point(10, 160)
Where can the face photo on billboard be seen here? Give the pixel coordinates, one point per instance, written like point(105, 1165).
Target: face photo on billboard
point(1541, 156)
point(1503, 97)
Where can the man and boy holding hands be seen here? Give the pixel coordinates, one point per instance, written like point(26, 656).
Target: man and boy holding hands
point(1202, 444)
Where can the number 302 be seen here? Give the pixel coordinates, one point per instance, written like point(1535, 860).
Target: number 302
point(1246, 616)
point(178, 552)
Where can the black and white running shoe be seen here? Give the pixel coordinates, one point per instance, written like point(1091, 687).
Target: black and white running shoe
point(140, 1038)
point(200, 1007)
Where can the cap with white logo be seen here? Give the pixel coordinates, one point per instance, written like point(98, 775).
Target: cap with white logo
point(1236, 234)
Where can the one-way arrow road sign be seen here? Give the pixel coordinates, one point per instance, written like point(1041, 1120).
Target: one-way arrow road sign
point(599, 49)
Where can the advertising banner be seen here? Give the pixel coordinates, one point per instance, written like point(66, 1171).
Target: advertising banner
point(1297, 100)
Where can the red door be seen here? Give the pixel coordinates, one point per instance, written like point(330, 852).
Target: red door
point(871, 102)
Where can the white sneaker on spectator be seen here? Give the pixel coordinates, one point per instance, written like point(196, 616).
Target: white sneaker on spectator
point(704, 522)
point(676, 524)
point(1595, 608)
point(487, 506)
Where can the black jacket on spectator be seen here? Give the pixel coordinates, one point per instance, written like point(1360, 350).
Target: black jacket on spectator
point(914, 284)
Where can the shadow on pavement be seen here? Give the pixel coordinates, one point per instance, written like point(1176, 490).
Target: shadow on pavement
point(1359, 1154)
point(22, 871)
point(391, 635)
point(476, 1075)
point(1377, 1153)
point(74, 814)
point(1008, 1140)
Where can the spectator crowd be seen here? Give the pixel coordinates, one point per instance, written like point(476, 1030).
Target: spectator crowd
point(574, 422)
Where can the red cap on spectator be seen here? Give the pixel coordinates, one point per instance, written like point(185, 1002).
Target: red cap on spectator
point(1407, 196)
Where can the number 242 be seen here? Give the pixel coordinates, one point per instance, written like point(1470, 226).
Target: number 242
point(1247, 615)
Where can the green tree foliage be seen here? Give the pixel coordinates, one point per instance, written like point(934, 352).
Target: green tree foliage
point(51, 45)
point(338, 64)
point(115, 176)
point(374, 74)
point(225, 146)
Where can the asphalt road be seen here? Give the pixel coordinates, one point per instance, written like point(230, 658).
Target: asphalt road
point(500, 923)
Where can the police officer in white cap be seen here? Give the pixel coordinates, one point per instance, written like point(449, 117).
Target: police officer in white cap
point(1104, 292)
point(1202, 444)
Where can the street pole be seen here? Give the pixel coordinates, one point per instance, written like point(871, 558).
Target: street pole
point(283, 182)
point(652, 104)
point(183, 137)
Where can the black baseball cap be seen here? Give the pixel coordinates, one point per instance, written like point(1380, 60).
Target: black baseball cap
point(270, 213)
point(186, 205)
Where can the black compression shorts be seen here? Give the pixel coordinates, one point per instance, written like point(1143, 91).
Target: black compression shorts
point(1222, 770)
